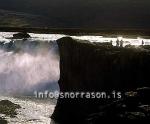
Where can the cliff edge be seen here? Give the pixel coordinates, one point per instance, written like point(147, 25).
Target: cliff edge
point(95, 67)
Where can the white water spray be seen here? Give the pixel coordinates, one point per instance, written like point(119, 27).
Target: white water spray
point(29, 69)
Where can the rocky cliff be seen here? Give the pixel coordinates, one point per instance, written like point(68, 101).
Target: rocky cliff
point(94, 67)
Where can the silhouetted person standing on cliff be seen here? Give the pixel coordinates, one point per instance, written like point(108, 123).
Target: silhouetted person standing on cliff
point(142, 42)
point(121, 43)
point(117, 42)
point(111, 42)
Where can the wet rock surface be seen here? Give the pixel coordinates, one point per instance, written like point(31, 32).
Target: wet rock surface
point(3, 121)
point(8, 108)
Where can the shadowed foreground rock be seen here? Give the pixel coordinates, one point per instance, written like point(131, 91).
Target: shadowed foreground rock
point(8, 108)
point(134, 106)
point(95, 67)
point(3, 121)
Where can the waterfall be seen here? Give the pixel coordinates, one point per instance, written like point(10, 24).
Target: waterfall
point(28, 65)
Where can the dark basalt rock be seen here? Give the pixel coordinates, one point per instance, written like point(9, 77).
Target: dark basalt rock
point(130, 107)
point(8, 108)
point(97, 67)
point(3, 121)
point(21, 35)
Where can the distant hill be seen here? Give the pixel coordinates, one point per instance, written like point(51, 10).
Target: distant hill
point(83, 13)
point(18, 19)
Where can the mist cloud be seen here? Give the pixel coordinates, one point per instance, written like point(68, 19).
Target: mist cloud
point(29, 68)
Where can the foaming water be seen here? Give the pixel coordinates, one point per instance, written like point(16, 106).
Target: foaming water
point(31, 111)
point(26, 66)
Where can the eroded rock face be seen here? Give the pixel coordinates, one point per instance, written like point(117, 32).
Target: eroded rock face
point(86, 66)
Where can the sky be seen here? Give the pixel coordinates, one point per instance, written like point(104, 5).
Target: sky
point(86, 13)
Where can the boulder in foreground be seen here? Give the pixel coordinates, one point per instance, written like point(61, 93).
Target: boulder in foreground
point(8, 108)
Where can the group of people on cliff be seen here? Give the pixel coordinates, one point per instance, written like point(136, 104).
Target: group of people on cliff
point(120, 43)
